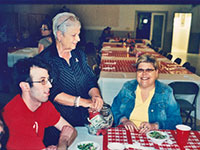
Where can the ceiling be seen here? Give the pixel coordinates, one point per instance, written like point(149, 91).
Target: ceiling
point(100, 2)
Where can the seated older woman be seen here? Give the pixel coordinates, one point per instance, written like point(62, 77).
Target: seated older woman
point(146, 104)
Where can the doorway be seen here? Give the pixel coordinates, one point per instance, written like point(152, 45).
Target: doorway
point(181, 32)
point(143, 25)
point(157, 29)
point(151, 26)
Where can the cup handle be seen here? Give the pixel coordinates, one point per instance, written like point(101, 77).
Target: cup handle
point(89, 120)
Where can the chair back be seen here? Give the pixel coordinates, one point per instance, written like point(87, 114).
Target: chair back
point(160, 52)
point(186, 88)
point(169, 56)
point(186, 65)
point(155, 49)
point(178, 60)
point(192, 69)
point(164, 53)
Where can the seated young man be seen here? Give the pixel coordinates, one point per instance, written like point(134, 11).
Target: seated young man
point(30, 112)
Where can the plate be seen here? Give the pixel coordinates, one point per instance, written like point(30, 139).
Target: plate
point(157, 137)
point(116, 146)
point(96, 145)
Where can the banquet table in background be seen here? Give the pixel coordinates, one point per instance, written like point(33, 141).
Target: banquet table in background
point(118, 66)
point(120, 135)
point(14, 56)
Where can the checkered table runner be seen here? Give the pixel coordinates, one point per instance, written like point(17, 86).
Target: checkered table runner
point(113, 45)
point(116, 54)
point(121, 135)
point(172, 68)
point(111, 53)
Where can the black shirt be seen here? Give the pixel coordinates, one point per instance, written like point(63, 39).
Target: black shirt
point(75, 79)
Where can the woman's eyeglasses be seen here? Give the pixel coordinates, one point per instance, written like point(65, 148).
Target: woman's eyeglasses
point(149, 70)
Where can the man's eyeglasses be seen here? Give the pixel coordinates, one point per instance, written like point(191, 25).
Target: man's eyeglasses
point(43, 81)
point(145, 70)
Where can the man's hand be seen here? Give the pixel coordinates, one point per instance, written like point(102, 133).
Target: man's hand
point(67, 136)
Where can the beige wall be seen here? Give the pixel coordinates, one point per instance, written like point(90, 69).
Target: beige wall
point(120, 17)
point(125, 18)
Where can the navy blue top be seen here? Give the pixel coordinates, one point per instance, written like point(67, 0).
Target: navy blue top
point(75, 79)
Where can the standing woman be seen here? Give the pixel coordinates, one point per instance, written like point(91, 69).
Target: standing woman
point(75, 91)
point(46, 33)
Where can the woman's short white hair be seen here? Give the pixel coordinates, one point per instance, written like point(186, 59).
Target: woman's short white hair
point(62, 21)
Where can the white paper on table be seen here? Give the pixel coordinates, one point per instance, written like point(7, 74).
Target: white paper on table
point(108, 68)
point(106, 48)
point(110, 63)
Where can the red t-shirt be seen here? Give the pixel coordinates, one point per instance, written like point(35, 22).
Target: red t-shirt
point(26, 128)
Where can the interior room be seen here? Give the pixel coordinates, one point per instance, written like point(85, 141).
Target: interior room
point(170, 27)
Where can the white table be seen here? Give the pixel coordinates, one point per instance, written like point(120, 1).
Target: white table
point(83, 135)
point(20, 54)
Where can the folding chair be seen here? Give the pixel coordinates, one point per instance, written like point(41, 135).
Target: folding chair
point(169, 56)
point(192, 69)
point(186, 65)
point(178, 60)
point(186, 88)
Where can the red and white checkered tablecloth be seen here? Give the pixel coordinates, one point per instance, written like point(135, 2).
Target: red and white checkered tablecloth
point(111, 53)
point(121, 135)
point(172, 68)
point(116, 54)
point(113, 45)
point(129, 66)
point(118, 65)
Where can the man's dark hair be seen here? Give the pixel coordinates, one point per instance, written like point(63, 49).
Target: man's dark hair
point(21, 69)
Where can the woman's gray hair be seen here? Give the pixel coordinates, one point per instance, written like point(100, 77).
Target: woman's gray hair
point(63, 20)
point(145, 58)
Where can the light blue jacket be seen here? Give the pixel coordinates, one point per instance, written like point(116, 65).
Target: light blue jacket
point(163, 108)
